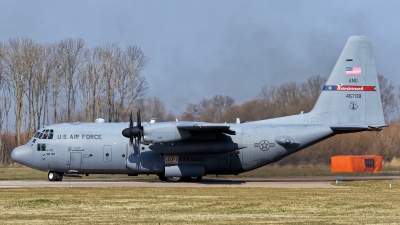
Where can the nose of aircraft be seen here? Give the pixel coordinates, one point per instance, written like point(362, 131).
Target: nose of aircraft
point(22, 154)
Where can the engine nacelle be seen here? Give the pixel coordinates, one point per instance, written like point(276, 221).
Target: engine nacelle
point(164, 132)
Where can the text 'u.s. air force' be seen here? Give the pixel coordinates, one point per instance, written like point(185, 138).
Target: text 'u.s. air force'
point(82, 136)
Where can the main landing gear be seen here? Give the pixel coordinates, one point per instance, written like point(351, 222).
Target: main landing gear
point(54, 176)
point(179, 179)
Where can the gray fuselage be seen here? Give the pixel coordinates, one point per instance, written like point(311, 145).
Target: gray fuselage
point(99, 148)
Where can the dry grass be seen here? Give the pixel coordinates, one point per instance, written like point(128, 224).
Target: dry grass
point(18, 172)
point(371, 202)
point(395, 162)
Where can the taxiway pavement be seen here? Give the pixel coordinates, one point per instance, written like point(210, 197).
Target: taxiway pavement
point(287, 182)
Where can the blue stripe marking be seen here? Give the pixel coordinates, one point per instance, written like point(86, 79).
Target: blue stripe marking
point(329, 88)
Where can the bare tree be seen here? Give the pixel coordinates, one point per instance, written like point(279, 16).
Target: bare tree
point(1, 106)
point(387, 96)
point(268, 101)
point(212, 109)
point(18, 62)
point(192, 112)
point(56, 76)
point(134, 63)
point(91, 84)
point(170, 116)
point(289, 98)
point(311, 90)
point(110, 81)
point(397, 103)
point(37, 85)
point(111, 56)
point(152, 108)
point(42, 87)
point(72, 51)
point(50, 68)
point(248, 111)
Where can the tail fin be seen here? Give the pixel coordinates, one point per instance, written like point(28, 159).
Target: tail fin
point(350, 99)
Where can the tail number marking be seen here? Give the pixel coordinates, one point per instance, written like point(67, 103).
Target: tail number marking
point(353, 96)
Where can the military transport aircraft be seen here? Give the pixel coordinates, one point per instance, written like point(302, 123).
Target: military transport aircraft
point(349, 102)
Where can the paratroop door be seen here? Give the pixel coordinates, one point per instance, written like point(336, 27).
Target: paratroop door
point(76, 160)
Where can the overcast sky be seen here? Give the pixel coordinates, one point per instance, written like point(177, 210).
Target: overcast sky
point(198, 49)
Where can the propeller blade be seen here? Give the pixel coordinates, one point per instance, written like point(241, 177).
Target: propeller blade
point(134, 132)
point(139, 120)
point(130, 121)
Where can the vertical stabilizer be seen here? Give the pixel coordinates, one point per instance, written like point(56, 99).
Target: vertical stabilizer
point(351, 95)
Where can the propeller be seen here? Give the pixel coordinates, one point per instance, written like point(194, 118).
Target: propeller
point(134, 131)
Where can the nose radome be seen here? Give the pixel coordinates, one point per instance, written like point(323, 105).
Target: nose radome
point(22, 154)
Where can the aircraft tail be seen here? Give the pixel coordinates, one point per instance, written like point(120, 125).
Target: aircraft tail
point(350, 99)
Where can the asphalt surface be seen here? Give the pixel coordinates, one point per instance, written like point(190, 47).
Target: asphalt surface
point(286, 182)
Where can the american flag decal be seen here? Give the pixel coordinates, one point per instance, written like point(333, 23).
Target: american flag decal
point(355, 70)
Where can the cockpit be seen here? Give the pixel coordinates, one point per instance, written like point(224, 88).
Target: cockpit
point(44, 134)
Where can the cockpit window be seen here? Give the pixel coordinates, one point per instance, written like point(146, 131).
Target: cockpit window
point(37, 134)
point(45, 134)
point(41, 135)
point(51, 134)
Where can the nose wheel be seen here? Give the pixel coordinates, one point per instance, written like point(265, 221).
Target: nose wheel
point(54, 176)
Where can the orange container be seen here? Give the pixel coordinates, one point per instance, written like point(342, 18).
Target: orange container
point(356, 163)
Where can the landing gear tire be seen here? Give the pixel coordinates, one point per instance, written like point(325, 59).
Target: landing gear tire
point(60, 177)
point(193, 179)
point(54, 176)
point(174, 179)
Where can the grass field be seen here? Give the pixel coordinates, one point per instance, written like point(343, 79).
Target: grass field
point(364, 202)
point(18, 172)
point(371, 202)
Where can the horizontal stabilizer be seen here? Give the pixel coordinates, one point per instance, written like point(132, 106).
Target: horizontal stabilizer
point(353, 128)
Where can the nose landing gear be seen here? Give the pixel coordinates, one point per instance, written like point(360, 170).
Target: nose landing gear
point(54, 176)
